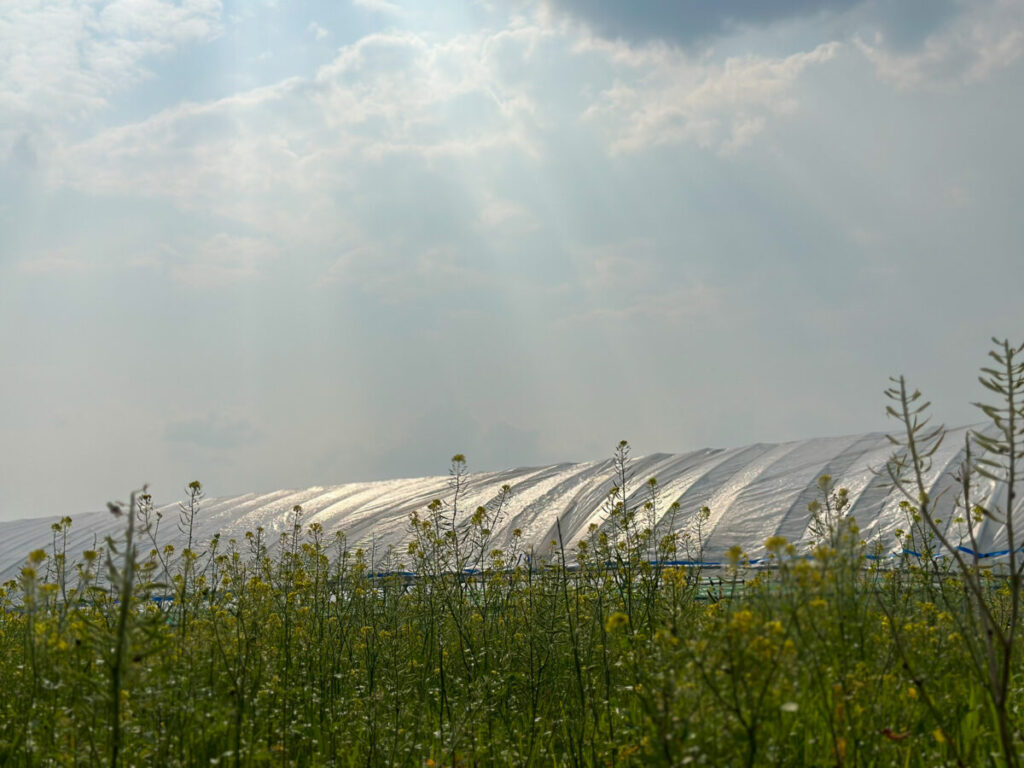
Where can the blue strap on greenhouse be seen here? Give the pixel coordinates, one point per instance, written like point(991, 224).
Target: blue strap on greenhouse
point(523, 557)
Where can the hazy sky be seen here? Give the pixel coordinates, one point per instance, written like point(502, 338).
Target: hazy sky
point(294, 242)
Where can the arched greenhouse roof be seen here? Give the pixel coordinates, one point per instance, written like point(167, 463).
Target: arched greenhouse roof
point(754, 492)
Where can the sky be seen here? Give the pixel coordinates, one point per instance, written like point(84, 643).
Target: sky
point(281, 243)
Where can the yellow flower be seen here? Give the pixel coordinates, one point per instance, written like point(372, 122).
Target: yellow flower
point(735, 554)
point(666, 638)
point(912, 692)
point(616, 621)
point(742, 620)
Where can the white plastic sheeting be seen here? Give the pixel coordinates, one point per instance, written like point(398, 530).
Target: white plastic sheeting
point(754, 492)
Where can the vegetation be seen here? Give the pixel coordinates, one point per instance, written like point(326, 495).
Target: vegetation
point(296, 652)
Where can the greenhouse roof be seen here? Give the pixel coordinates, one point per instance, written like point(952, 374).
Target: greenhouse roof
point(753, 493)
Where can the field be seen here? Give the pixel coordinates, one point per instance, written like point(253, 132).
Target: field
point(623, 650)
point(299, 655)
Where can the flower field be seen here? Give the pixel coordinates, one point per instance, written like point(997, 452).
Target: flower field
point(298, 654)
point(622, 650)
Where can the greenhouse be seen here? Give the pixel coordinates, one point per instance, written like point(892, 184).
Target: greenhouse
point(753, 493)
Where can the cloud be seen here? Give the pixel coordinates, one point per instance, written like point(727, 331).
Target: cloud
point(63, 60)
point(318, 32)
point(508, 217)
point(687, 21)
point(911, 43)
point(274, 157)
point(984, 38)
point(663, 96)
point(379, 6)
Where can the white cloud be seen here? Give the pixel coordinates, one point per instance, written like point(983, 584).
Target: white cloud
point(274, 157)
point(379, 6)
point(61, 60)
point(505, 217)
point(663, 96)
point(318, 32)
point(984, 38)
point(277, 159)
